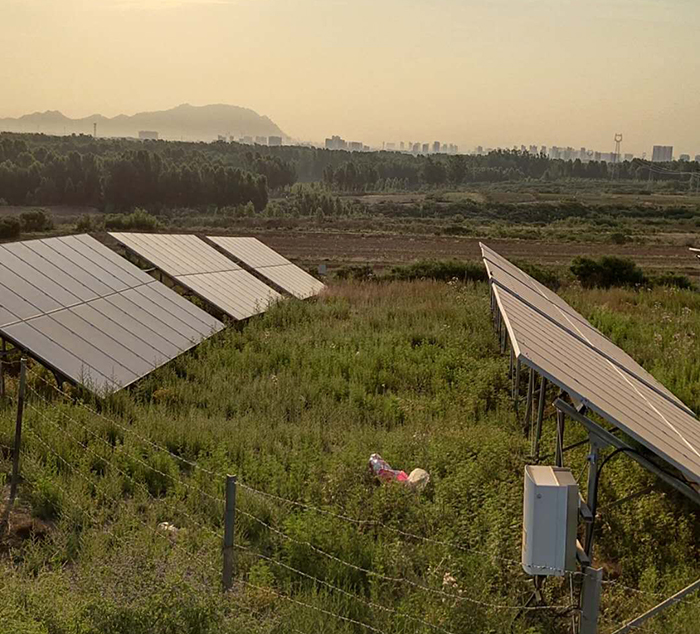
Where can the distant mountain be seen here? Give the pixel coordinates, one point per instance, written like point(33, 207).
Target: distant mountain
point(190, 123)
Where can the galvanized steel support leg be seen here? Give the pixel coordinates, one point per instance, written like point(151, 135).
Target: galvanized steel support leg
point(559, 451)
point(17, 445)
point(593, 458)
point(540, 417)
point(590, 600)
point(516, 385)
point(528, 409)
point(2, 368)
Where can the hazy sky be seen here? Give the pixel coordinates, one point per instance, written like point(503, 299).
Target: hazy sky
point(474, 72)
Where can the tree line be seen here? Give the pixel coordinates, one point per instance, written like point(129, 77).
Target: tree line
point(125, 178)
point(123, 173)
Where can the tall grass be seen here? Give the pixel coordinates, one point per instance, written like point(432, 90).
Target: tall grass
point(294, 402)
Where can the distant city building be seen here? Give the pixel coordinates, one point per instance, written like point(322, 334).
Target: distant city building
point(436, 147)
point(274, 141)
point(543, 150)
point(401, 146)
point(479, 150)
point(248, 140)
point(662, 153)
point(629, 157)
point(697, 158)
point(426, 148)
point(336, 143)
point(355, 146)
point(533, 150)
point(390, 147)
point(260, 140)
point(148, 135)
point(684, 157)
point(416, 148)
point(222, 137)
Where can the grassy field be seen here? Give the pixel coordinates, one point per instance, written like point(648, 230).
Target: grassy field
point(293, 403)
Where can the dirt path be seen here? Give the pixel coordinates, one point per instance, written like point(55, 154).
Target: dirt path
point(337, 249)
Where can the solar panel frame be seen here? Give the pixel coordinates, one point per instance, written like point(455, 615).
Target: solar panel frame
point(61, 327)
point(202, 270)
point(574, 365)
point(274, 267)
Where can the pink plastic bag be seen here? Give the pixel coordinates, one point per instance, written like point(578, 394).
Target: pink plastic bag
point(382, 470)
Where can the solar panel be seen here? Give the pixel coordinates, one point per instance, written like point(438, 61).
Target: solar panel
point(543, 342)
point(271, 265)
point(204, 271)
point(90, 315)
point(544, 300)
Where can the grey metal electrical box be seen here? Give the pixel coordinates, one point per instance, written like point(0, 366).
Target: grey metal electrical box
point(550, 518)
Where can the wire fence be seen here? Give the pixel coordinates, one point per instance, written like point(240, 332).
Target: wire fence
point(38, 405)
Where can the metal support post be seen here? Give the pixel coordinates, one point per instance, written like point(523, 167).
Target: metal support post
point(2, 368)
point(559, 451)
point(634, 624)
point(510, 367)
point(592, 495)
point(590, 600)
point(516, 385)
point(229, 525)
point(540, 417)
point(17, 446)
point(528, 409)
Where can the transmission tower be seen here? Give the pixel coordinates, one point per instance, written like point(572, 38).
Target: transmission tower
point(618, 144)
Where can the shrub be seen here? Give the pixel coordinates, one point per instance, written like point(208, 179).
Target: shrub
point(358, 273)
point(138, 219)
point(620, 238)
point(36, 220)
point(606, 272)
point(548, 277)
point(10, 227)
point(444, 270)
point(674, 280)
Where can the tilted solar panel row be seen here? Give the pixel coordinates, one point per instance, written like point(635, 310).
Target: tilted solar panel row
point(556, 341)
point(90, 315)
point(271, 265)
point(200, 268)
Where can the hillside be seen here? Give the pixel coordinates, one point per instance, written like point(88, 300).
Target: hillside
point(203, 123)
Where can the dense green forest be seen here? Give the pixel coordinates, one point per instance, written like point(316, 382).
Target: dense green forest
point(119, 174)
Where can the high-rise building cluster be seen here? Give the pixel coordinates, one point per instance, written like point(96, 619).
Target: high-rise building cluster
point(338, 143)
point(662, 153)
point(269, 141)
point(407, 147)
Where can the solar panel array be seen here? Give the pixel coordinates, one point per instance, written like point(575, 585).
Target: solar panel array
point(90, 315)
point(204, 271)
point(556, 341)
point(271, 265)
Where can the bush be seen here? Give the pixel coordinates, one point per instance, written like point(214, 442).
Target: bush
point(440, 270)
point(357, 273)
point(36, 220)
point(10, 227)
point(87, 223)
point(138, 219)
point(674, 280)
point(607, 271)
point(543, 275)
point(620, 238)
